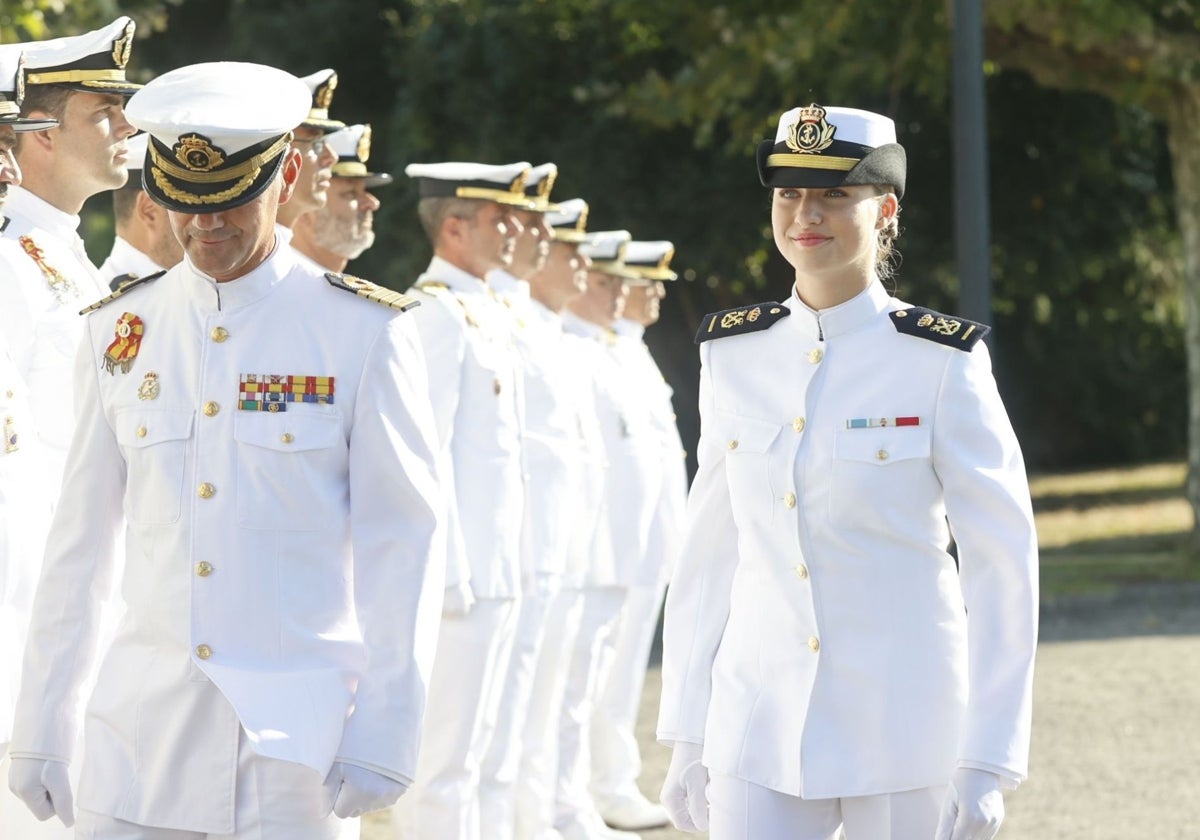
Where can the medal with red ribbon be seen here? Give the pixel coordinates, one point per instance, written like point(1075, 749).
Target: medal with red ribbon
point(125, 346)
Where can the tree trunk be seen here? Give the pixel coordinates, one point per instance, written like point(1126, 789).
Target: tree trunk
point(1183, 124)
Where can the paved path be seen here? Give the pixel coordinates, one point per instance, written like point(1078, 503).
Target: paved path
point(1116, 745)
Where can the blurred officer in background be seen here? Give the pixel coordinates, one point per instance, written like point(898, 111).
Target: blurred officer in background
point(341, 230)
point(145, 243)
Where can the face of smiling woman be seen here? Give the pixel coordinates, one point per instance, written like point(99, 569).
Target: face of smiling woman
point(829, 236)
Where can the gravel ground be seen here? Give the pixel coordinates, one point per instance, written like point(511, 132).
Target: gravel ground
point(1116, 737)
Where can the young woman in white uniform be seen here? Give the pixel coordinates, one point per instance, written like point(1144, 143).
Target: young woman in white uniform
point(828, 663)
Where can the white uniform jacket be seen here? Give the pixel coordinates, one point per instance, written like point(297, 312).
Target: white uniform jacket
point(124, 260)
point(666, 525)
point(24, 519)
point(475, 391)
point(819, 640)
point(551, 439)
point(633, 477)
point(47, 280)
point(289, 557)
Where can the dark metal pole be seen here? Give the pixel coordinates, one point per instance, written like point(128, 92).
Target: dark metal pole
point(971, 235)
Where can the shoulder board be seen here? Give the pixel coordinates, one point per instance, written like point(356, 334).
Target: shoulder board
point(744, 319)
point(949, 330)
point(370, 291)
point(432, 287)
point(122, 289)
point(4, 220)
point(120, 280)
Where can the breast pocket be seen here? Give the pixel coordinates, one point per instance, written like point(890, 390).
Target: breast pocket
point(155, 444)
point(753, 487)
point(882, 477)
point(291, 472)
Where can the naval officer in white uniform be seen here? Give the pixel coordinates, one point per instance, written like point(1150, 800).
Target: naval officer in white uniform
point(828, 663)
point(261, 433)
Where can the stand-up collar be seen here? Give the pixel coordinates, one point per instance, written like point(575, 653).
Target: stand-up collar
point(508, 286)
point(209, 295)
point(629, 329)
point(575, 325)
point(21, 203)
point(840, 319)
point(456, 278)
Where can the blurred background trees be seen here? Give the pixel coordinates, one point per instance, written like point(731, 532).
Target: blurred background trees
point(652, 112)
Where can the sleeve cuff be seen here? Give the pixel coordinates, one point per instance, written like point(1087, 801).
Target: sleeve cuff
point(1008, 779)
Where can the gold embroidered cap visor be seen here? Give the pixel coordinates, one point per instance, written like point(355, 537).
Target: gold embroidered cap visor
point(213, 182)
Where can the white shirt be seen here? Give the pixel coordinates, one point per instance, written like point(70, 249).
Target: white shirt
point(124, 259)
point(292, 558)
point(819, 639)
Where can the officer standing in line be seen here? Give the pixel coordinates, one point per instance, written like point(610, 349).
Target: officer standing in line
point(548, 430)
point(318, 157)
point(25, 496)
point(630, 479)
point(568, 510)
point(280, 505)
point(79, 81)
point(144, 243)
point(341, 230)
point(466, 210)
point(828, 665)
point(616, 758)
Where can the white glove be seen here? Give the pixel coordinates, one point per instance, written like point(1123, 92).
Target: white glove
point(458, 600)
point(363, 790)
point(42, 784)
point(974, 806)
point(685, 790)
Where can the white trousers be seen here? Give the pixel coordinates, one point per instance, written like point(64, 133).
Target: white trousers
point(586, 674)
point(460, 719)
point(275, 800)
point(538, 773)
point(740, 810)
point(501, 764)
point(616, 758)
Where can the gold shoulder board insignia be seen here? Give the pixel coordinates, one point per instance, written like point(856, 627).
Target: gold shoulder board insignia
point(127, 286)
point(432, 287)
point(370, 291)
point(743, 319)
point(949, 330)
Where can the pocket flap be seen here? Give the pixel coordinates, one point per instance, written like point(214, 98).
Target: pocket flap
point(882, 446)
point(745, 434)
point(139, 427)
point(288, 431)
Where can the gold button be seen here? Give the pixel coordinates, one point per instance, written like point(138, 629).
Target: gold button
point(203, 651)
point(789, 499)
point(8, 394)
point(219, 334)
point(814, 644)
point(141, 431)
point(882, 455)
point(204, 568)
point(496, 386)
point(815, 356)
point(798, 424)
point(206, 490)
point(802, 572)
point(286, 437)
point(733, 444)
point(211, 409)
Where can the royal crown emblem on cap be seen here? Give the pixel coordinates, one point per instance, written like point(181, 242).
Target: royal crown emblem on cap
point(19, 93)
point(810, 133)
point(196, 152)
point(363, 152)
point(123, 46)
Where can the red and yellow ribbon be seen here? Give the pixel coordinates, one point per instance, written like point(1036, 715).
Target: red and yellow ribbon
point(125, 346)
point(59, 283)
